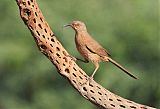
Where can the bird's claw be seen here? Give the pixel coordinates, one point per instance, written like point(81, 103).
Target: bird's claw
point(88, 80)
point(73, 58)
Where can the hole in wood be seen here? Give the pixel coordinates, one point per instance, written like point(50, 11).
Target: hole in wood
point(90, 85)
point(93, 98)
point(65, 59)
point(112, 105)
point(41, 19)
point(64, 53)
point(45, 30)
point(51, 45)
point(52, 40)
point(92, 91)
point(98, 87)
point(143, 108)
point(133, 107)
point(80, 77)
point(51, 58)
point(86, 96)
point(50, 51)
point(34, 20)
point(36, 14)
point(24, 3)
point(43, 36)
point(27, 12)
point(29, 3)
point(52, 34)
point(110, 99)
point(84, 88)
point(58, 43)
point(99, 93)
point(74, 75)
point(38, 33)
point(80, 72)
point(58, 55)
point(57, 62)
point(40, 26)
point(58, 49)
point(74, 69)
point(46, 24)
point(122, 106)
point(43, 47)
point(119, 100)
point(31, 27)
point(85, 76)
point(66, 70)
point(74, 81)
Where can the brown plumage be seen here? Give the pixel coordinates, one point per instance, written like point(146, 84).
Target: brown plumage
point(90, 49)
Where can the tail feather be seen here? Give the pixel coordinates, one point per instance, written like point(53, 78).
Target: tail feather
point(122, 68)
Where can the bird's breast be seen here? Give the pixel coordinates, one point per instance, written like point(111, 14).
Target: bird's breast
point(80, 45)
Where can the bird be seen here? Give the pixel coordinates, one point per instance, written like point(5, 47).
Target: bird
point(90, 49)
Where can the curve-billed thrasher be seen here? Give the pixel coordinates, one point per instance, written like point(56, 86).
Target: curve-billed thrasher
point(90, 49)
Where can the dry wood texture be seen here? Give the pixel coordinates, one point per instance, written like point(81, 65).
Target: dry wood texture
point(52, 48)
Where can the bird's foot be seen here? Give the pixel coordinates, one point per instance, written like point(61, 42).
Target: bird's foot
point(88, 80)
point(72, 57)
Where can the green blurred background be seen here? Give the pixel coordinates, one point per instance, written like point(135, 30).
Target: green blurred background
point(128, 29)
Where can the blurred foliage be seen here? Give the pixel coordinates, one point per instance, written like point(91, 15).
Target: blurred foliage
point(126, 28)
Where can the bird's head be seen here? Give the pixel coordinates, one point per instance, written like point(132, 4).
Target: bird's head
point(77, 26)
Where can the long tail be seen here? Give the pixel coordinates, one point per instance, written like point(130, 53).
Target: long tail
point(122, 68)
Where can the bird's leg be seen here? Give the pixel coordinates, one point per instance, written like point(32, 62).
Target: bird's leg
point(85, 60)
point(91, 77)
point(97, 66)
point(75, 59)
point(72, 57)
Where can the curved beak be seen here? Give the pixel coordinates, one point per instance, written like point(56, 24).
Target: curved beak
point(67, 25)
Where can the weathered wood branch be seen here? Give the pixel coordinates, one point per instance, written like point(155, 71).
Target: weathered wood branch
point(54, 51)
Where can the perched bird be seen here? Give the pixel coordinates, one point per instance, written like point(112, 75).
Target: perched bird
point(90, 49)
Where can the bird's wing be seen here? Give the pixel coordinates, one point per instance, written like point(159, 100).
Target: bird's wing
point(97, 49)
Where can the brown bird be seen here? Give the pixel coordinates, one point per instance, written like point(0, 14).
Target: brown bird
point(90, 49)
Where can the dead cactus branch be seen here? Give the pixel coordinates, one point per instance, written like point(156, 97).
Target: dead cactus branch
point(55, 52)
